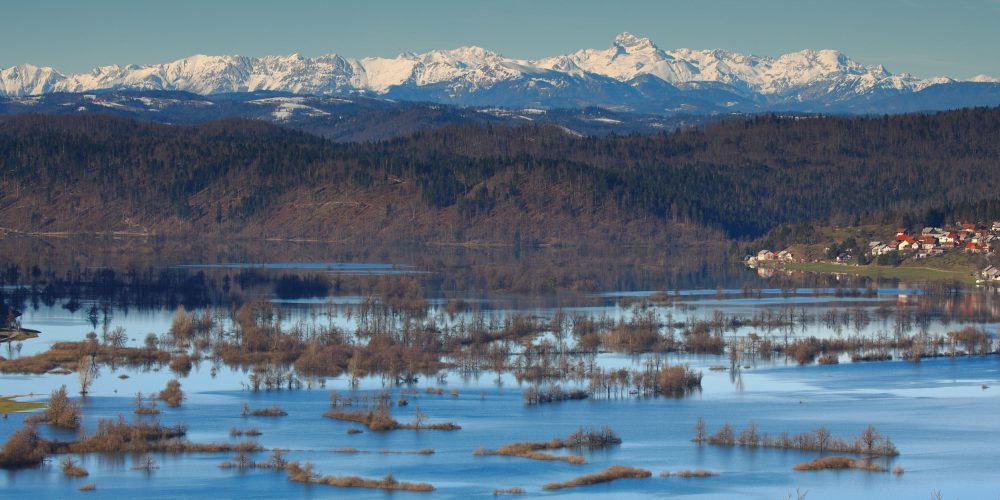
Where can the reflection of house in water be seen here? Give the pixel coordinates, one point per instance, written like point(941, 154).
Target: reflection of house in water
point(765, 272)
point(903, 298)
point(975, 307)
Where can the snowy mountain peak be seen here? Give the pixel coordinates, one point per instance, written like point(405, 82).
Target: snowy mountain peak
point(631, 43)
point(27, 79)
point(984, 79)
point(629, 74)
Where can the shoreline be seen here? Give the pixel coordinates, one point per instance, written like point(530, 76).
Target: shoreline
point(919, 273)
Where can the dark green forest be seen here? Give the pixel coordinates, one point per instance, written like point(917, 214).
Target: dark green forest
point(742, 176)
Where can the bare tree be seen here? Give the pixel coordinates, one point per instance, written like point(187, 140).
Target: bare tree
point(145, 463)
point(699, 430)
point(86, 372)
point(869, 437)
point(822, 438)
point(419, 419)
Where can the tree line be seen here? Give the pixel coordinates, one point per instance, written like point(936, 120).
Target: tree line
point(742, 176)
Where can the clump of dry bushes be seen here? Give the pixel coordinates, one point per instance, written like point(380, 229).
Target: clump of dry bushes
point(612, 473)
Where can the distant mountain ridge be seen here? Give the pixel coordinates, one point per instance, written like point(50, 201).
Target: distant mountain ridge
point(482, 182)
point(633, 75)
point(340, 118)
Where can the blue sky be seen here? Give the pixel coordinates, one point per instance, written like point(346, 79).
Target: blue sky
point(958, 38)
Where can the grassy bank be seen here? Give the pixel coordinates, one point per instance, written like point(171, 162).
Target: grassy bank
point(8, 405)
point(931, 269)
point(19, 335)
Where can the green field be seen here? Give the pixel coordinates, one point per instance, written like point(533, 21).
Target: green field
point(935, 269)
point(9, 335)
point(8, 405)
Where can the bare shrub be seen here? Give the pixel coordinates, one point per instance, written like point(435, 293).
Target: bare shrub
point(142, 408)
point(869, 442)
point(677, 380)
point(60, 411)
point(172, 394)
point(273, 411)
point(593, 438)
point(23, 448)
point(71, 468)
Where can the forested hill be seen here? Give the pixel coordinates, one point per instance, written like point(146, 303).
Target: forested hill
point(489, 183)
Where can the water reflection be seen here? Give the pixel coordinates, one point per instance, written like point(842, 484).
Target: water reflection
point(458, 289)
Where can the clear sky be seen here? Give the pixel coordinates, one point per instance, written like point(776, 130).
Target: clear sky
point(958, 38)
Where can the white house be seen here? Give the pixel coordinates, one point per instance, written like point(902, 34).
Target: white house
point(990, 273)
point(879, 248)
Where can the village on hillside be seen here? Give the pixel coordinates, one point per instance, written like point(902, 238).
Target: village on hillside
point(906, 245)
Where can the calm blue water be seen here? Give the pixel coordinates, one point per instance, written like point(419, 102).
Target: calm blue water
point(937, 413)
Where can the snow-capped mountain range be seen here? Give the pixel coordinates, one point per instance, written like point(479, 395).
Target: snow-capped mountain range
point(632, 75)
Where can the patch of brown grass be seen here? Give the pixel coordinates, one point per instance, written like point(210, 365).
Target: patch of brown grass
point(592, 439)
point(67, 355)
point(26, 448)
point(305, 474)
point(373, 420)
point(612, 473)
point(380, 420)
point(117, 436)
point(838, 463)
point(530, 449)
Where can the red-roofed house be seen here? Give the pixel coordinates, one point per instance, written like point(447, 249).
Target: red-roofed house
point(907, 243)
point(973, 247)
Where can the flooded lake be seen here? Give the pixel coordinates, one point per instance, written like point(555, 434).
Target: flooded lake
point(939, 412)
